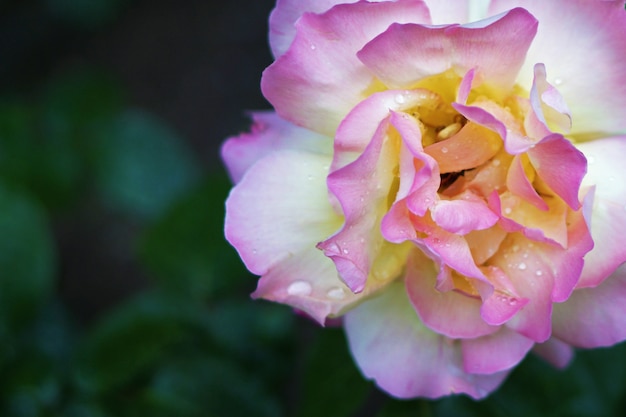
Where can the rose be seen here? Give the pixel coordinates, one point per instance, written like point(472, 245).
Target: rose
point(451, 191)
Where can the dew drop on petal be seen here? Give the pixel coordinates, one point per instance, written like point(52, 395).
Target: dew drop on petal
point(444, 150)
point(591, 159)
point(336, 293)
point(522, 266)
point(299, 288)
point(400, 99)
point(496, 162)
point(512, 301)
point(558, 81)
point(508, 210)
point(539, 272)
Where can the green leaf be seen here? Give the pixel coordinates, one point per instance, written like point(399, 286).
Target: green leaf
point(27, 258)
point(128, 344)
point(198, 385)
point(186, 250)
point(333, 386)
point(141, 166)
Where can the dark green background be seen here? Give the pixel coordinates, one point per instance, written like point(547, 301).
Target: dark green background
point(118, 294)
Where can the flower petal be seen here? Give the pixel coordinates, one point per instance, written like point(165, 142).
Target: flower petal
point(308, 281)
point(361, 188)
point(319, 79)
point(495, 47)
point(555, 351)
point(269, 133)
point(594, 317)
point(595, 94)
point(283, 19)
point(495, 352)
point(406, 359)
point(608, 219)
point(449, 313)
point(280, 207)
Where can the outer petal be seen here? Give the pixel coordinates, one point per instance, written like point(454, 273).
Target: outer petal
point(592, 83)
point(284, 16)
point(308, 281)
point(496, 352)
point(269, 133)
point(294, 215)
point(608, 220)
point(392, 346)
point(319, 79)
point(496, 47)
point(594, 317)
point(555, 351)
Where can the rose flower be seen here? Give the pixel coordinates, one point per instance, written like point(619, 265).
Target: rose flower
point(453, 191)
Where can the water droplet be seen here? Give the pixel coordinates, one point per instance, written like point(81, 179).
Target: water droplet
point(254, 251)
point(512, 301)
point(299, 288)
point(525, 255)
point(515, 248)
point(496, 162)
point(558, 81)
point(313, 47)
point(310, 177)
point(336, 293)
point(539, 272)
point(522, 266)
point(444, 150)
point(400, 99)
point(508, 210)
point(591, 159)
point(346, 251)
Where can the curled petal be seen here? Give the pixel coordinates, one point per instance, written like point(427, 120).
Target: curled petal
point(561, 166)
point(361, 188)
point(400, 62)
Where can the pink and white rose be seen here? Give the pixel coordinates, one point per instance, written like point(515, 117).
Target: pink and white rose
point(447, 178)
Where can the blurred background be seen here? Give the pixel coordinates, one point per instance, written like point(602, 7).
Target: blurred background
point(118, 294)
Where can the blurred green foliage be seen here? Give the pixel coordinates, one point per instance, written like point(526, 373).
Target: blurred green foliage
point(190, 343)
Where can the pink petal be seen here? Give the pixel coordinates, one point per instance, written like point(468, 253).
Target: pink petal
point(594, 317)
point(472, 146)
point(501, 301)
point(361, 188)
point(463, 216)
point(406, 359)
point(495, 352)
point(517, 182)
point(358, 127)
point(284, 16)
point(400, 62)
point(548, 104)
point(269, 133)
point(294, 215)
point(450, 313)
point(319, 79)
point(521, 260)
point(608, 220)
point(561, 166)
point(555, 351)
point(595, 93)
